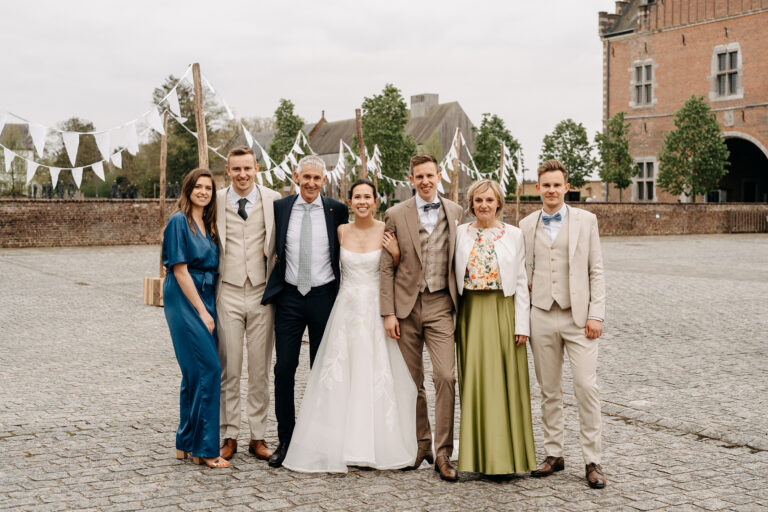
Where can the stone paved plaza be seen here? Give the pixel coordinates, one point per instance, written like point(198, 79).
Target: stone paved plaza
point(89, 395)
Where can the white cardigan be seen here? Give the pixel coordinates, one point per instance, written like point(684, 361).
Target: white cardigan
point(510, 253)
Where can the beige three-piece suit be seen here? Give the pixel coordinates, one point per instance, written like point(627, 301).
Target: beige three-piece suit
point(422, 294)
point(566, 276)
point(246, 258)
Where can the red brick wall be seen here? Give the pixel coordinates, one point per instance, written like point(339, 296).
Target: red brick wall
point(62, 222)
point(65, 223)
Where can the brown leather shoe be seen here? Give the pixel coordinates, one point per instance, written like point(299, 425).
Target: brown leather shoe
point(421, 454)
point(260, 449)
point(595, 476)
point(229, 448)
point(444, 466)
point(549, 466)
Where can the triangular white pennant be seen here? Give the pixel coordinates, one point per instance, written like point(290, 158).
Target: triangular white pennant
point(98, 168)
point(208, 84)
point(268, 175)
point(279, 171)
point(117, 160)
point(258, 176)
point(296, 148)
point(153, 119)
point(77, 173)
point(3, 117)
point(173, 102)
point(71, 142)
point(440, 187)
point(8, 155)
point(230, 115)
point(248, 136)
point(102, 142)
point(38, 133)
point(54, 175)
point(292, 158)
point(31, 170)
point(131, 139)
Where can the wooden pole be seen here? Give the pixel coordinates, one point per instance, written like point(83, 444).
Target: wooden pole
point(363, 172)
point(518, 189)
point(455, 177)
point(202, 135)
point(163, 163)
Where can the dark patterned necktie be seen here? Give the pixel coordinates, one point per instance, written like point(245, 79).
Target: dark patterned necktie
point(241, 210)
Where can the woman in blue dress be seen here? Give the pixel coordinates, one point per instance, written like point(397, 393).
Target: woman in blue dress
point(191, 256)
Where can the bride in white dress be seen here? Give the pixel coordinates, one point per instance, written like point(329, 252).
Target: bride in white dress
point(359, 407)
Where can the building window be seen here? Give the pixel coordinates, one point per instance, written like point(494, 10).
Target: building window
point(642, 84)
point(645, 181)
point(726, 77)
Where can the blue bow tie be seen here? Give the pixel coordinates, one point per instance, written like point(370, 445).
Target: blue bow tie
point(431, 206)
point(546, 219)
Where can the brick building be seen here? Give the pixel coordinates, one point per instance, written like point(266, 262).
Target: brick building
point(657, 53)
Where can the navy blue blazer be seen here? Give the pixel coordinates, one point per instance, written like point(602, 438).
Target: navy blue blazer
point(336, 213)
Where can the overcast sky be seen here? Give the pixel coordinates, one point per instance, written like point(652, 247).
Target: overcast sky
point(531, 63)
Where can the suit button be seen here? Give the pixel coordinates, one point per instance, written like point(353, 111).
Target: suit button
point(554, 282)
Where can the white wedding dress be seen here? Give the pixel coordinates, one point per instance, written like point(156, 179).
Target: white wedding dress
point(359, 407)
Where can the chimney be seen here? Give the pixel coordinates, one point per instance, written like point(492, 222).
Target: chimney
point(421, 104)
point(606, 21)
point(620, 6)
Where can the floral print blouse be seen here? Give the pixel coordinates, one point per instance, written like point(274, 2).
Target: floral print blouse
point(483, 265)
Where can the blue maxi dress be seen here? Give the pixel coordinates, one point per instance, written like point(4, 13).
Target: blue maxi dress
point(194, 346)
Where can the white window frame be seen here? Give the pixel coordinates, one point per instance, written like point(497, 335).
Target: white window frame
point(639, 182)
point(715, 72)
point(633, 83)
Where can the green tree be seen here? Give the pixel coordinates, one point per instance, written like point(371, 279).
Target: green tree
point(616, 163)
point(288, 125)
point(87, 153)
point(384, 117)
point(694, 156)
point(569, 143)
point(15, 179)
point(488, 139)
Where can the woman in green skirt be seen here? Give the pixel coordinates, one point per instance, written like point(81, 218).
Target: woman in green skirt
point(496, 436)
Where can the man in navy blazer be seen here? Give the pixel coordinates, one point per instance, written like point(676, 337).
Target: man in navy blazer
point(303, 283)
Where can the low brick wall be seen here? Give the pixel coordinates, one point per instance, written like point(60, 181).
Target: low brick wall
point(62, 222)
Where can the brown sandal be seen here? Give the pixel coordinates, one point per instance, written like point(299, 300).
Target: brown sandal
point(213, 462)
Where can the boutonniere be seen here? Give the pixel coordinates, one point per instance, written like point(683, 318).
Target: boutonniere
point(330, 209)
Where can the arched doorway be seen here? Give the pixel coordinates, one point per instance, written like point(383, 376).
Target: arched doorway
point(747, 178)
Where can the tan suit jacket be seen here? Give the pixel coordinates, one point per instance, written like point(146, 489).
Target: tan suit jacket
point(400, 289)
point(268, 196)
point(585, 262)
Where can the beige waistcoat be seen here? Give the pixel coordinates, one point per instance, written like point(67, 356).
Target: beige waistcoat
point(434, 254)
point(245, 243)
point(550, 277)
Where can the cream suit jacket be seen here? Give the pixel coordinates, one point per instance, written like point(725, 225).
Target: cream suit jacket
point(268, 196)
point(510, 254)
point(585, 262)
point(400, 287)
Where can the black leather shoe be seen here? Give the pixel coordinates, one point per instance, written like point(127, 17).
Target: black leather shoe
point(277, 458)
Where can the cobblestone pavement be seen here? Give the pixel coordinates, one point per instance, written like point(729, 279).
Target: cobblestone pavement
point(89, 390)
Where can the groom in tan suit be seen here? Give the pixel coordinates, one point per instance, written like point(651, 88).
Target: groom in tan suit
point(244, 221)
point(565, 274)
point(418, 301)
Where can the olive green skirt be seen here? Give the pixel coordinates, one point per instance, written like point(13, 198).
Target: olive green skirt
point(496, 435)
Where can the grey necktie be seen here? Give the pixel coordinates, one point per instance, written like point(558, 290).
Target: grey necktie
point(241, 211)
point(304, 280)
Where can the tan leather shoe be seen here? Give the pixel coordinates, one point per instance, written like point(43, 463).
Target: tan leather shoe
point(444, 466)
point(549, 466)
point(595, 476)
point(229, 448)
point(260, 449)
point(421, 455)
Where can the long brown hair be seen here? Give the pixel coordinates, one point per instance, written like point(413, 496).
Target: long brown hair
point(184, 204)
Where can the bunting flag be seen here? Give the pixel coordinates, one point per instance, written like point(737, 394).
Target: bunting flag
point(230, 115)
point(153, 120)
point(258, 177)
point(98, 168)
point(77, 173)
point(31, 170)
point(173, 102)
point(103, 143)
point(8, 155)
point(268, 175)
point(267, 161)
point(38, 133)
point(71, 143)
point(117, 160)
point(132, 141)
point(54, 175)
point(248, 136)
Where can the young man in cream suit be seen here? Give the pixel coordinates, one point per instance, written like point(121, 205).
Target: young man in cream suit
point(244, 221)
point(565, 273)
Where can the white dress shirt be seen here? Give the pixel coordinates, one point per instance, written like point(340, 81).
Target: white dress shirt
point(234, 199)
point(428, 219)
point(553, 229)
point(322, 272)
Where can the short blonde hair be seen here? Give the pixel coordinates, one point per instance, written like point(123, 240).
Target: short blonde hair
point(552, 165)
point(481, 186)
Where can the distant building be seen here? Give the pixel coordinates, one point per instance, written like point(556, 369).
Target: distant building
point(656, 54)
